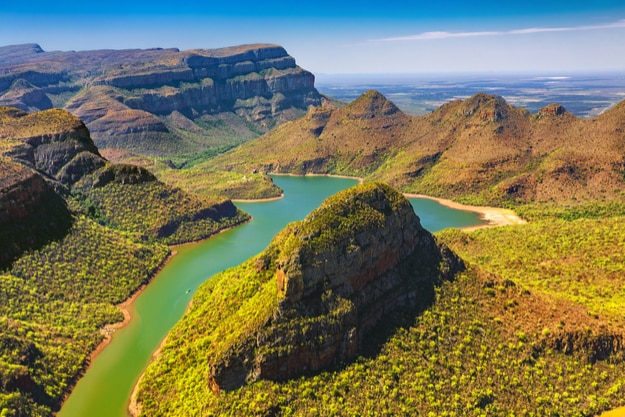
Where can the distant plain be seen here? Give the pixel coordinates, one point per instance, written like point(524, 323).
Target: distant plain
point(584, 95)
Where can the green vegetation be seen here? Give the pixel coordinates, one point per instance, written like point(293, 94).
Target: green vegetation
point(455, 360)
point(73, 248)
point(250, 186)
point(53, 303)
point(534, 327)
point(129, 198)
point(581, 260)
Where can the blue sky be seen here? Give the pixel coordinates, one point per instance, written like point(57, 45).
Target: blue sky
point(391, 36)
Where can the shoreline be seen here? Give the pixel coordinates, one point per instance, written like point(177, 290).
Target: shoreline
point(257, 200)
point(494, 216)
point(109, 329)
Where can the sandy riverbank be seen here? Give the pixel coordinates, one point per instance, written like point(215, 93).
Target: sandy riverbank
point(256, 200)
point(494, 216)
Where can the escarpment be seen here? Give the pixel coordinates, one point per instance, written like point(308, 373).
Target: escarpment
point(336, 276)
point(126, 97)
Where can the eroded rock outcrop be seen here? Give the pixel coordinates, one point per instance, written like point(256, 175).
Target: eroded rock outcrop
point(53, 142)
point(339, 274)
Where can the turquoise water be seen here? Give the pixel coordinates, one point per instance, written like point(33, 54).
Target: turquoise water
point(105, 388)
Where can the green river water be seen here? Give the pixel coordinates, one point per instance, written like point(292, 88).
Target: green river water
point(104, 390)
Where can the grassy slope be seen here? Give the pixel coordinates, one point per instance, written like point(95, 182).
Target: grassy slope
point(479, 150)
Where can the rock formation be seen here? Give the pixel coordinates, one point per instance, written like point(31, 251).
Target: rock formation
point(126, 96)
point(339, 273)
point(48, 154)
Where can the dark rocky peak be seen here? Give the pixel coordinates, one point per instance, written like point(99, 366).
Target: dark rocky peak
point(552, 110)
point(371, 104)
point(339, 273)
point(122, 174)
point(487, 107)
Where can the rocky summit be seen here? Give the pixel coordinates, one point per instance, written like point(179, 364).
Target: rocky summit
point(358, 258)
point(161, 101)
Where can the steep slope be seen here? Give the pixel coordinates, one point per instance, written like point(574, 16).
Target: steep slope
point(57, 145)
point(78, 235)
point(310, 301)
point(162, 101)
point(31, 212)
point(480, 149)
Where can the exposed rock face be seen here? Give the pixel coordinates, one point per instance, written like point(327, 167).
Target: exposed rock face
point(53, 142)
point(552, 110)
point(362, 255)
point(260, 83)
point(31, 212)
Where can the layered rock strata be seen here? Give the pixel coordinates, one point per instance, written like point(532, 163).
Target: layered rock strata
point(125, 96)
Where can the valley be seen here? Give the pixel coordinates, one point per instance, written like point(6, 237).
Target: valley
point(110, 159)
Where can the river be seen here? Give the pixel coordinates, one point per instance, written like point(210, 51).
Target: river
point(105, 388)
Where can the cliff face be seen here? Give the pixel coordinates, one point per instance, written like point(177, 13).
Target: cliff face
point(359, 257)
point(259, 83)
point(53, 142)
point(31, 212)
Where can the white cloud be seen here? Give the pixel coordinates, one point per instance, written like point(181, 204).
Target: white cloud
point(526, 31)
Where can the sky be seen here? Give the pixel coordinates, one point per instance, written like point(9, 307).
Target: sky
point(332, 37)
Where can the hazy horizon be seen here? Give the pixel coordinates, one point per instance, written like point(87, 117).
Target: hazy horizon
point(362, 37)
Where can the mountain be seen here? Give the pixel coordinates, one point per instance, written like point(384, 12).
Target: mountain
point(356, 310)
point(480, 149)
point(78, 235)
point(161, 101)
point(314, 299)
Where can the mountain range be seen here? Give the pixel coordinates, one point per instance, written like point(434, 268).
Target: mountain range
point(355, 309)
point(161, 101)
point(481, 149)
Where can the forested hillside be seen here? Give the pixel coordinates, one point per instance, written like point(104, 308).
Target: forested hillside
point(78, 235)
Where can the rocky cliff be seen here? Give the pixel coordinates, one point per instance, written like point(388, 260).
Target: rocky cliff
point(53, 142)
point(31, 212)
point(127, 97)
